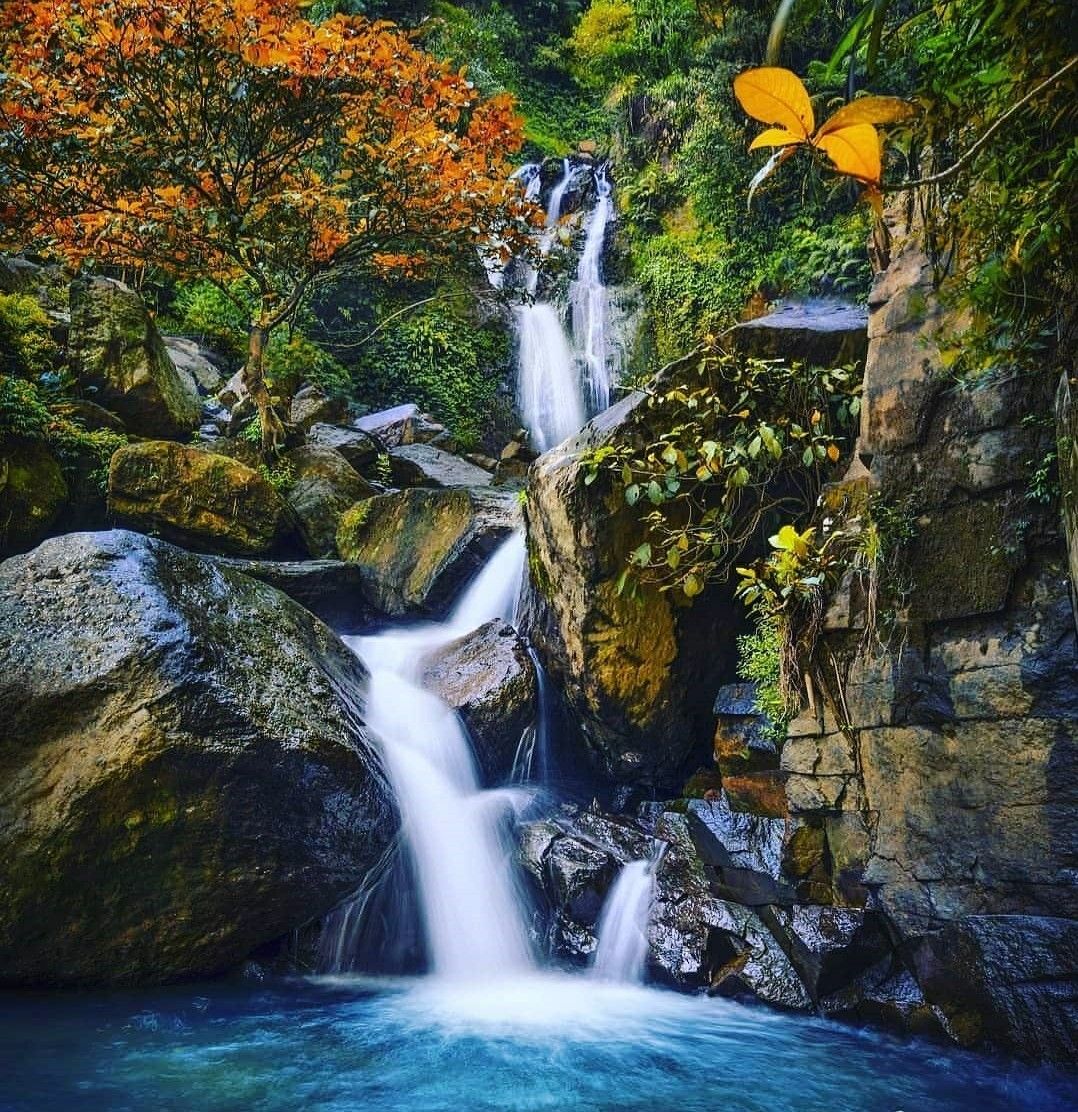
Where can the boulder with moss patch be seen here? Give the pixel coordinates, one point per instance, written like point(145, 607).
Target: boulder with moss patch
point(116, 352)
point(200, 500)
point(319, 486)
point(186, 773)
point(32, 493)
point(416, 547)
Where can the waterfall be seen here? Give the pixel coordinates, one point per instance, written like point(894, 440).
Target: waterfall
point(588, 297)
point(548, 389)
point(472, 916)
point(533, 761)
point(622, 930)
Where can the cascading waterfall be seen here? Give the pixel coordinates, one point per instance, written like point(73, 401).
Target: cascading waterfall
point(548, 387)
point(588, 298)
point(622, 930)
point(472, 916)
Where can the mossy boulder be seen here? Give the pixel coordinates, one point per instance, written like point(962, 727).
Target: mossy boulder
point(640, 671)
point(416, 547)
point(117, 355)
point(32, 493)
point(200, 500)
point(323, 486)
point(185, 770)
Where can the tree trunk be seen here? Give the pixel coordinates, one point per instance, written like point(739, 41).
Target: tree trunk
point(272, 427)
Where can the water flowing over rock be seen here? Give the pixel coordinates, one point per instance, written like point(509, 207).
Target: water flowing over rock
point(640, 672)
point(588, 299)
point(416, 547)
point(200, 500)
point(187, 773)
point(117, 354)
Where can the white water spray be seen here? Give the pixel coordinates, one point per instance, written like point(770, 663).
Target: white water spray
point(622, 930)
point(472, 916)
point(588, 298)
point(548, 387)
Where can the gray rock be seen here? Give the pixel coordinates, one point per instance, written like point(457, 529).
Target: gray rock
point(423, 465)
point(360, 449)
point(392, 427)
point(820, 331)
point(488, 677)
point(312, 407)
point(116, 353)
point(325, 485)
point(187, 774)
point(1007, 983)
point(194, 363)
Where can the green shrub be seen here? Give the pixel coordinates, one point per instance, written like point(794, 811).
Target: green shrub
point(22, 412)
point(759, 656)
point(293, 359)
point(26, 345)
point(443, 361)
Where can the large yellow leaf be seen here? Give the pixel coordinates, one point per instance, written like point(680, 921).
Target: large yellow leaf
point(775, 137)
point(869, 110)
point(855, 151)
point(774, 95)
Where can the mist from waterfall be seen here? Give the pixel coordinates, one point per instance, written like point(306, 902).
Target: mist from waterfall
point(456, 834)
point(588, 299)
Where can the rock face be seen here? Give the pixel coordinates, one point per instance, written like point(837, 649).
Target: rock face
point(640, 672)
point(185, 769)
point(358, 448)
point(936, 780)
point(32, 493)
point(195, 364)
point(1067, 445)
point(325, 485)
point(417, 546)
point(391, 427)
point(199, 499)
point(116, 352)
point(488, 677)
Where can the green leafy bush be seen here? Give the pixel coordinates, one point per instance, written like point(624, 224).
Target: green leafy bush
point(27, 348)
point(443, 361)
point(758, 659)
point(22, 412)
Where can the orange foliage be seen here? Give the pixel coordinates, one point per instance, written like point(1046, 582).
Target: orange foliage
point(234, 137)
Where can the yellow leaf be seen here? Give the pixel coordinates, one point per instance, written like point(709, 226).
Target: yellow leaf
point(776, 96)
point(868, 110)
point(833, 453)
point(855, 151)
point(774, 137)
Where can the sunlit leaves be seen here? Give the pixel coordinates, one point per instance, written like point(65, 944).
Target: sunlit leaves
point(848, 138)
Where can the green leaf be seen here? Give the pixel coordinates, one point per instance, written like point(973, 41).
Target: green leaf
point(632, 493)
point(655, 492)
point(692, 585)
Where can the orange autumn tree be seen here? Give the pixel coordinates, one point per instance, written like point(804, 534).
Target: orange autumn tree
point(234, 139)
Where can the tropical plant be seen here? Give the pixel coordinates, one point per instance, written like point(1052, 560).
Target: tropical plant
point(235, 139)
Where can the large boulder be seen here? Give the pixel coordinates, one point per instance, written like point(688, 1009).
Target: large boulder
point(391, 427)
point(488, 677)
point(32, 493)
point(325, 484)
point(186, 774)
point(640, 671)
point(196, 365)
point(359, 448)
point(825, 332)
point(199, 499)
point(117, 354)
point(416, 547)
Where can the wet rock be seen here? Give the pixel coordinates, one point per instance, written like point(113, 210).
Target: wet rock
point(1067, 442)
point(1007, 983)
point(195, 363)
point(358, 448)
point(116, 353)
point(884, 996)
point(33, 492)
point(488, 677)
point(423, 465)
point(641, 671)
point(332, 590)
point(90, 416)
point(199, 499)
point(187, 774)
point(311, 407)
point(392, 427)
point(324, 486)
point(416, 547)
point(820, 331)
